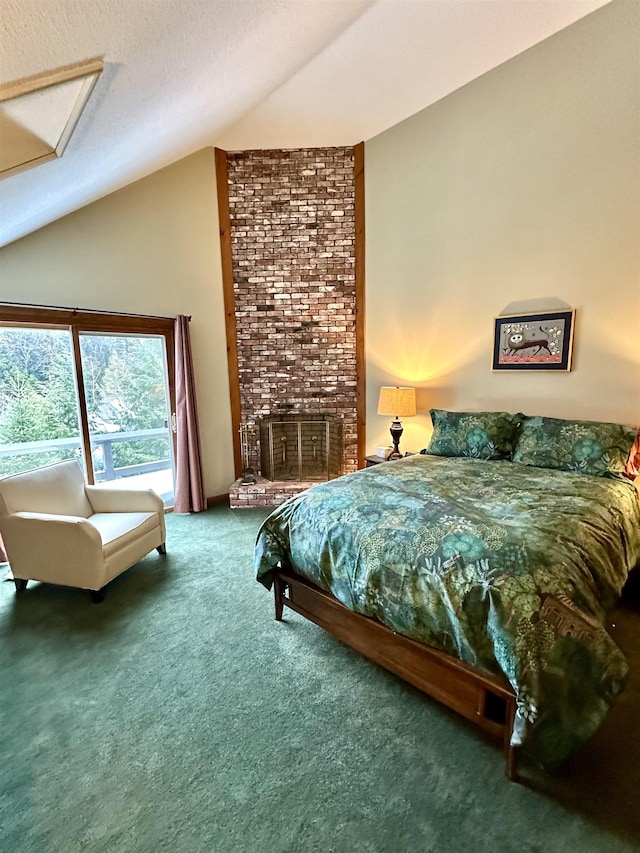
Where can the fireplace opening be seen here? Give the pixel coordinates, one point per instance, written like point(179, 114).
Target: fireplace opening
point(301, 447)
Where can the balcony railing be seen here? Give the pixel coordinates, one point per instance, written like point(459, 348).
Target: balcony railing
point(105, 471)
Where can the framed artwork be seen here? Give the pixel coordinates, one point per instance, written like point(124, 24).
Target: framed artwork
point(541, 341)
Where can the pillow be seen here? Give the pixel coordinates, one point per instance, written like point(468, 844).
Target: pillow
point(480, 435)
point(587, 447)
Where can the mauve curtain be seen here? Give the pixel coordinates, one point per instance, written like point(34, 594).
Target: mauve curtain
point(189, 486)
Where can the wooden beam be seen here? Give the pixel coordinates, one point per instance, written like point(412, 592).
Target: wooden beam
point(222, 182)
point(361, 378)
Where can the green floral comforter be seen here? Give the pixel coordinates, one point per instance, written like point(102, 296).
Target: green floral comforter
point(509, 567)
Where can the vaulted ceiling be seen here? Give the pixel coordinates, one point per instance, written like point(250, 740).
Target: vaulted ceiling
point(183, 74)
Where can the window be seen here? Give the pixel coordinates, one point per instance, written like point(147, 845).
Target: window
point(96, 387)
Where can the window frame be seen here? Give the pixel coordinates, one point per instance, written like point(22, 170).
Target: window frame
point(78, 321)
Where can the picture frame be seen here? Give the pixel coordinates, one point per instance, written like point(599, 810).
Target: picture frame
point(540, 341)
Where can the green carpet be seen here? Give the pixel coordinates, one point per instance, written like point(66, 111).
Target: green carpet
point(179, 716)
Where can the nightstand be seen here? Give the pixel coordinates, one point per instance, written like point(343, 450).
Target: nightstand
point(370, 461)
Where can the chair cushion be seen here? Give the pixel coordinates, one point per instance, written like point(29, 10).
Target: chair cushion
point(118, 529)
point(56, 488)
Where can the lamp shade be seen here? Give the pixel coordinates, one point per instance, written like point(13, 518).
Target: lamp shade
point(398, 402)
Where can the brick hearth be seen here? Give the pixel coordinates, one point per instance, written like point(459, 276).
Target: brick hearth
point(267, 493)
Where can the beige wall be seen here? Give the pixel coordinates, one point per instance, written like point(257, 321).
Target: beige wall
point(151, 248)
point(519, 191)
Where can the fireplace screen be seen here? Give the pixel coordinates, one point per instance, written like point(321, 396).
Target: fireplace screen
point(304, 447)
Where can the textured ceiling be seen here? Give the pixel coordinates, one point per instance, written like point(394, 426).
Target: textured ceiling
point(183, 74)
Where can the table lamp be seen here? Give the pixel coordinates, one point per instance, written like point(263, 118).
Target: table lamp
point(400, 403)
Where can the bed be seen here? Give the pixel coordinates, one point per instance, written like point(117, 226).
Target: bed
point(483, 581)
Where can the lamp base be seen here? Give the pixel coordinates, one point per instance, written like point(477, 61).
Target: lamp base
point(396, 431)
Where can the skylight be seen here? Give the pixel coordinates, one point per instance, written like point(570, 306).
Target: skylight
point(38, 114)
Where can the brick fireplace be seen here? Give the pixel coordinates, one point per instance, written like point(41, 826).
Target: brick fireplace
point(292, 241)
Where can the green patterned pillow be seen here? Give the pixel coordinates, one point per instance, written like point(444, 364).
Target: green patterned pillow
point(587, 447)
point(479, 435)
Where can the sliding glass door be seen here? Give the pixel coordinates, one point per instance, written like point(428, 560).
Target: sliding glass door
point(90, 386)
point(39, 413)
point(125, 387)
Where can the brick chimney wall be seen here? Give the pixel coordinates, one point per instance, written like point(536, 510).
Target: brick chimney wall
point(292, 238)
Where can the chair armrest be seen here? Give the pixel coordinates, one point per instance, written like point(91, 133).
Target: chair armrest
point(123, 500)
point(72, 525)
point(64, 549)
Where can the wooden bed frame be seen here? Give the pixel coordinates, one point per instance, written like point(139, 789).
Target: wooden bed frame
point(486, 700)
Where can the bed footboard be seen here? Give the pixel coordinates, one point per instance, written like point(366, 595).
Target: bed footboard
point(488, 702)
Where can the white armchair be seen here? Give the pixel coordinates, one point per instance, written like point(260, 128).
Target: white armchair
point(58, 530)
